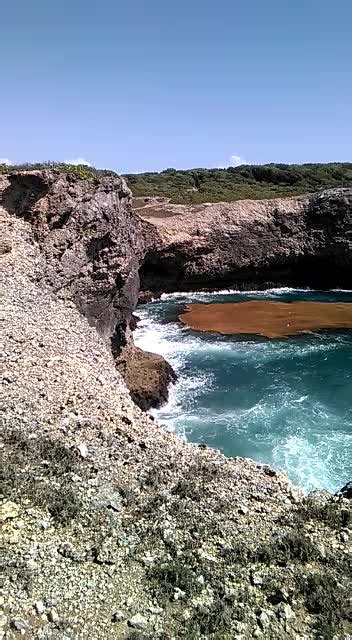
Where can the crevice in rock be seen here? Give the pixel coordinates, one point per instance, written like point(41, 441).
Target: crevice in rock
point(23, 193)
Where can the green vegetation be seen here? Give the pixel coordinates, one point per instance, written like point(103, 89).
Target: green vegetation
point(82, 171)
point(217, 185)
point(185, 574)
point(325, 598)
point(330, 514)
point(40, 470)
point(236, 183)
point(293, 567)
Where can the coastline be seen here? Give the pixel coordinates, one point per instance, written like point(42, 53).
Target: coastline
point(246, 423)
point(111, 523)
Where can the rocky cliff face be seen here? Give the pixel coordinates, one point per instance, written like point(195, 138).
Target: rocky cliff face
point(303, 241)
point(96, 250)
point(93, 246)
point(92, 243)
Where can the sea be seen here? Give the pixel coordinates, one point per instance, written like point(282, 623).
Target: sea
point(286, 402)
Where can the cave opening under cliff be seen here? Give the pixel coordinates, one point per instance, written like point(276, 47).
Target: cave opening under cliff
point(169, 272)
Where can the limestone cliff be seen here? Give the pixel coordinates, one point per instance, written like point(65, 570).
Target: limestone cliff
point(301, 241)
point(92, 243)
point(93, 246)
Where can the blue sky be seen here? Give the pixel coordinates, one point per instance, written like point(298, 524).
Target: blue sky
point(145, 85)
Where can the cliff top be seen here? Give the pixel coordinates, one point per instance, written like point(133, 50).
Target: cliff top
point(199, 185)
point(82, 171)
point(196, 186)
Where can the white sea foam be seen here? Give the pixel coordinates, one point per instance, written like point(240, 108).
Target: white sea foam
point(301, 399)
point(155, 337)
point(271, 419)
point(164, 339)
point(315, 464)
point(271, 293)
point(223, 292)
point(175, 342)
point(311, 470)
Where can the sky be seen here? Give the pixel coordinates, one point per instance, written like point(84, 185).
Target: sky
point(146, 85)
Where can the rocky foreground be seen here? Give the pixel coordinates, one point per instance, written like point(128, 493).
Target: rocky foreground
point(113, 527)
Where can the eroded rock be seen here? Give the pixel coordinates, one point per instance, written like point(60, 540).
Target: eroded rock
point(147, 376)
point(299, 241)
point(93, 246)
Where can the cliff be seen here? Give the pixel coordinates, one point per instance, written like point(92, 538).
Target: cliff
point(92, 243)
point(300, 241)
point(93, 246)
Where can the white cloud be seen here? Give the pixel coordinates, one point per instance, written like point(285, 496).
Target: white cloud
point(5, 161)
point(236, 161)
point(77, 161)
point(233, 161)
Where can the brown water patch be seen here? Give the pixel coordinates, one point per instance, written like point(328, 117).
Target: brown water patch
point(267, 318)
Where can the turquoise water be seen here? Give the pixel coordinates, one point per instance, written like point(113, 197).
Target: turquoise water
point(285, 401)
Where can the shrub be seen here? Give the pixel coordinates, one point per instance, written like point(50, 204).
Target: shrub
point(176, 574)
point(82, 171)
point(324, 598)
point(39, 469)
point(330, 514)
point(235, 183)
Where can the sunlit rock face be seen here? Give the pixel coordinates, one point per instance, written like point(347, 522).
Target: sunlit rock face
point(93, 246)
point(299, 241)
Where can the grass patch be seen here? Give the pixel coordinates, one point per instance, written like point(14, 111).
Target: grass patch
point(81, 171)
point(14, 567)
point(39, 470)
point(330, 514)
point(214, 621)
point(325, 598)
point(187, 489)
point(167, 577)
point(292, 547)
point(62, 506)
point(211, 620)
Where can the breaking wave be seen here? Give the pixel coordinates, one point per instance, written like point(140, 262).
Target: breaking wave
point(284, 402)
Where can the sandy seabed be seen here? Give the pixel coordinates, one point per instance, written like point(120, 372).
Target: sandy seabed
point(267, 318)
